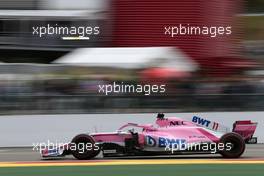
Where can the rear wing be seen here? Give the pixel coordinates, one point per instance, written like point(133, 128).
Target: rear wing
point(246, 128)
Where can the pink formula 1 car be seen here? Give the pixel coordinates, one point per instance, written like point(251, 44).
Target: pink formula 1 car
point(168, 136)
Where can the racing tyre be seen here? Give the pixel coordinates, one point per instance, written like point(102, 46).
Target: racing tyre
point(236, 145)
point(85, 147)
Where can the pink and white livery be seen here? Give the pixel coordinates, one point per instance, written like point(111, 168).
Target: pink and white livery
point(168, 136)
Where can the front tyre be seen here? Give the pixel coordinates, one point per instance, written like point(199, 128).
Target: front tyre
point(84, 147)
point(236, 145)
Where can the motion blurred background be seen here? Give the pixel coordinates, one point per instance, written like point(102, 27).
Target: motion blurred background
point(51, 75)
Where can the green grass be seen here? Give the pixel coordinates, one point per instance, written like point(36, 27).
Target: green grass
point(139, 170)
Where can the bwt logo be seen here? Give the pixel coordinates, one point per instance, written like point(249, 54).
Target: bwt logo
point(171, 143)
point(165, 142)
point(201, 121)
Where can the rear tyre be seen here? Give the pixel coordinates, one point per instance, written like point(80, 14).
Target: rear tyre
point(236, 145)
point(85, 147)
